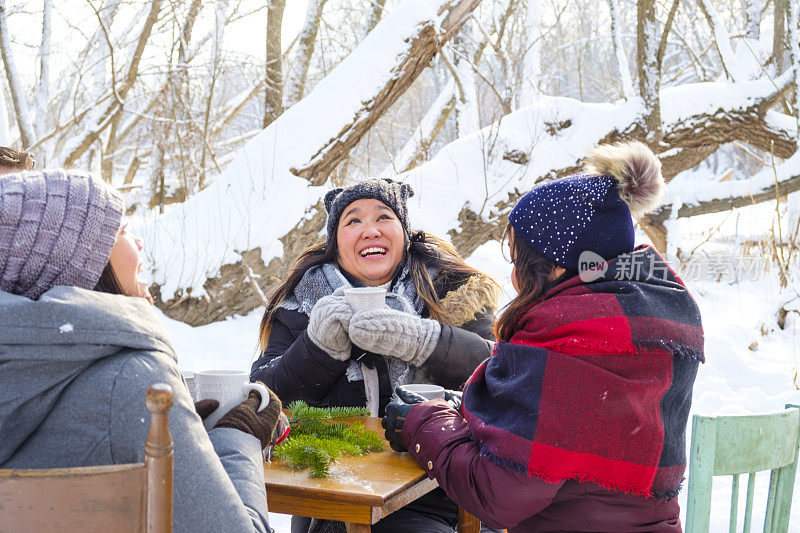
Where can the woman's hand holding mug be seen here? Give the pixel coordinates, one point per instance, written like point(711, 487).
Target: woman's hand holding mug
point(328, 325)
point(229, 388)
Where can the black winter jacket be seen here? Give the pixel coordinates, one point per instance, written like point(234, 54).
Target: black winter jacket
point(297, 369)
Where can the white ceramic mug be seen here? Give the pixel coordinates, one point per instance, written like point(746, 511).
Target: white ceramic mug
point(364, 298)
point(229, 388)
point(188, 377)
point(428, 391)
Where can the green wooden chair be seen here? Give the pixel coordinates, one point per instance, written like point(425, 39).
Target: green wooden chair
point(734, 445)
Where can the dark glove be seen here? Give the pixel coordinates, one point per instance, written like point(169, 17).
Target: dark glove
point(453, 399)
point(245, 418)
point(396, 413)
point(205, 407)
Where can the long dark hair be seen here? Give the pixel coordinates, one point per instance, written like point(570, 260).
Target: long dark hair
point(109, 282)
point(534, 275)
point(424, 250)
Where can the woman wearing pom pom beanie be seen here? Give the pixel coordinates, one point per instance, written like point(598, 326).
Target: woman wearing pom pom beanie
point(577, 422)
point(80, 344)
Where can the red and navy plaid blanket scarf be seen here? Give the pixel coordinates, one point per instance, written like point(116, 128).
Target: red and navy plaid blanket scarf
point(597, 383)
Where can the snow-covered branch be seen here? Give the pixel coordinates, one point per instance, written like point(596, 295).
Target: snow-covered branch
point(769, 184)
point(429, 36)
point(619, 51)
point(297, 76)
point(722, 41)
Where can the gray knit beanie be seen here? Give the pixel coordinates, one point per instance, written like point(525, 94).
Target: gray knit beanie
point(390, 192)
point(57, 227)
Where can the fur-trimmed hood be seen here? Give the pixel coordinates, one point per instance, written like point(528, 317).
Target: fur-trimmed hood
point(478, 294)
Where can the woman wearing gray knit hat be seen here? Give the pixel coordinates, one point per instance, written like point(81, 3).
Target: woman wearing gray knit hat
point(435, 326)
point(80, 344)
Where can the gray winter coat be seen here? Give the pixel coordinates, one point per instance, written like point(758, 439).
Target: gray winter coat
point(74, 369)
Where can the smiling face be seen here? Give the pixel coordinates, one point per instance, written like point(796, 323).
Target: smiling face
point(369, 241)
point(127, 264)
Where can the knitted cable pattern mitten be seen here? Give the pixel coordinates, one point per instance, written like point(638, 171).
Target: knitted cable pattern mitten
point(389, 332)
point(245, 418)
point(327, 326)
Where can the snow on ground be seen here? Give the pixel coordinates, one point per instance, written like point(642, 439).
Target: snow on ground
point(734, 379)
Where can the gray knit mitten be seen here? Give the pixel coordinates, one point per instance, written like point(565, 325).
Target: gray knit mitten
point(327, 325)
point(395, 333)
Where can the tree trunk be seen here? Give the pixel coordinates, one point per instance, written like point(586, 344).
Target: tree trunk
point(273, 79)
point(778, 35)
point(531, 61)
point(467, 118)
point(647, 67)
point(43, 87)
point(416, 148)
point(619, 51)
point(296, 82)
point(5, 137)
point(794, 57)
point(752, 14)
point(722, 40)
point(375, 13)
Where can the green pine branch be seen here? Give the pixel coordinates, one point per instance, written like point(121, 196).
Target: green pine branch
point(315, 442)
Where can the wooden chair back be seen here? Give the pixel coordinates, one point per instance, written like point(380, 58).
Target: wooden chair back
point(120, 498)
point(734, 445)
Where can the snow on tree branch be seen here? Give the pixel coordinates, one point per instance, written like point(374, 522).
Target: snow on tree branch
point(619, 51)
point(722, 41)
point(255, 202)
point(443, 20)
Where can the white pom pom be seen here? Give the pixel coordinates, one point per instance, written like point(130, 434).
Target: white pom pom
point(636, 169)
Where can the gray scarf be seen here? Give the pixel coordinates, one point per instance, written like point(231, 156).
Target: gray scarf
point(322, 280)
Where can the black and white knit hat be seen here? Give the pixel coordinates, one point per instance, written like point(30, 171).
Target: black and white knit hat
point(57, 227)
point(390, 192)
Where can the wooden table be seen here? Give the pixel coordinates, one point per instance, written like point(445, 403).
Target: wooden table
point(359, 490)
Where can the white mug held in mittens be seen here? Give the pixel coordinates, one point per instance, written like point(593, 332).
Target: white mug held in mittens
point(229, 388)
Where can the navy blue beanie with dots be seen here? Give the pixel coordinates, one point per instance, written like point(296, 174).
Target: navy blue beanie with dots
point(591, 211)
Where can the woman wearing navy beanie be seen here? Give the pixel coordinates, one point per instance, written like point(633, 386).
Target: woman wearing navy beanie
point(577, 421)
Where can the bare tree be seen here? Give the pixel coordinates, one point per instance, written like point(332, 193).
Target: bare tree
point(752, 13)
point(531, 70)
point(43, 87)
point(273, 79)
point(778, 34)
point(420, 52)
point(647, 66)
point(298, 75)
point(227, 286)
point(376, 8)
point(26, 130)
point(619, 51)
point(111, 114)
point(794, 55)
point(5, 137)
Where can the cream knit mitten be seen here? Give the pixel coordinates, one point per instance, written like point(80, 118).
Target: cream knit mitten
point(395, 333)
point(327, 325)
